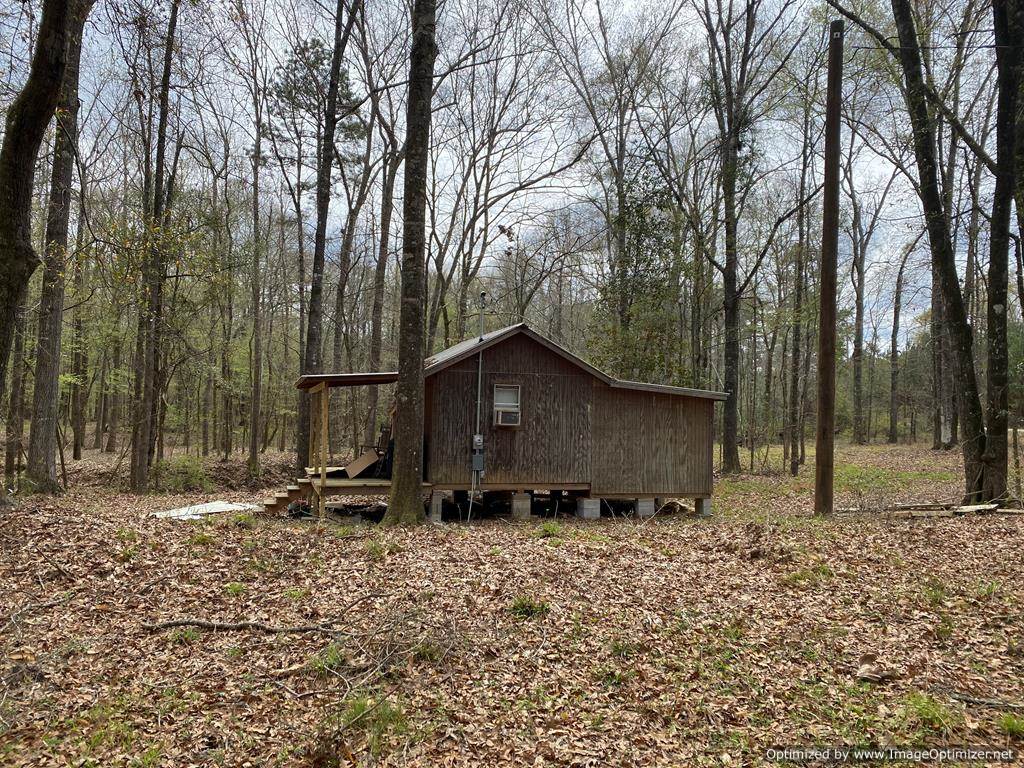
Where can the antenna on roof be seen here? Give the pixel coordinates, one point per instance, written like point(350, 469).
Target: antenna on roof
point(483, 299)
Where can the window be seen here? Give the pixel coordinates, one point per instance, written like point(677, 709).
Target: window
point(506, 405)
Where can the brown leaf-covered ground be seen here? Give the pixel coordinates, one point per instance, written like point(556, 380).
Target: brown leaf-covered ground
point(675, 642)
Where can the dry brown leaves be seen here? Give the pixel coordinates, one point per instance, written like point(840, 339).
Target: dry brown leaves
point(670, 643)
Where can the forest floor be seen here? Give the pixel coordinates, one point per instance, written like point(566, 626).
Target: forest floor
point(610, 643)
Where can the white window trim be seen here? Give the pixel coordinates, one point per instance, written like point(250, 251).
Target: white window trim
point(496, 409)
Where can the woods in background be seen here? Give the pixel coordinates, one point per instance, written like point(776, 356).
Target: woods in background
point(223, 200)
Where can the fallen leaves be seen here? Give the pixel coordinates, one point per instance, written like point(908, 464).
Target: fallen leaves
point(677, 642)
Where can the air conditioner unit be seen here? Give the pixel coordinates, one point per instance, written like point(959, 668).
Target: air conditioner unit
point(506, 417)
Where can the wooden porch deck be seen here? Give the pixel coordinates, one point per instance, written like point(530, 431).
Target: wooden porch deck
point(343, 486)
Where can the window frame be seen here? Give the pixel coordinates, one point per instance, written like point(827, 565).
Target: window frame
point(497, 409)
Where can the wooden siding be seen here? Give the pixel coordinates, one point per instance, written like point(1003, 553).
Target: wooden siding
point(550, 448)
point(646, 443)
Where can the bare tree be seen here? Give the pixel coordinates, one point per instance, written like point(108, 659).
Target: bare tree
point(25, 126)
point(312, 347)
point(42, 445)
point(747, 49)
point(406, 504)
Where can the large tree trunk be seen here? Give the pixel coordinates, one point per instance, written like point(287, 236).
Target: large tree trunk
point(312, 348)
point(25, 126)
point(342, 340)
point(1008, 26)
point(941, 420)
point(955, 315)
point(41, 472)
point(145, 425)
point(406, 504)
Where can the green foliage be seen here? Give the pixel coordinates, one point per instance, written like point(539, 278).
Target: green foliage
point(926, 711)
point(853, 478)
point(234, 588)
point(184, 636)
point(934, 592)
point(378, 720)
point(297, 97)
point(202, 539)
point(1012, 725)
point(636, 329)
point(181, 474)
point(944, 629)
point(547, 530)
point(525, 607)
point(245, 521)
point(622, 649)
point(378, 548)
point(610, 677)
point(329, 661)
point(810, 576)
point(150, 758)
point(988, 589)
point(127, 535)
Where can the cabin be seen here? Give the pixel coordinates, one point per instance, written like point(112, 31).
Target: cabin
point(512, 411)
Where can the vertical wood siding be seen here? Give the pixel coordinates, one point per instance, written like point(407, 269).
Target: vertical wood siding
point(574, 429)
point(650, 443)
point(552, 443)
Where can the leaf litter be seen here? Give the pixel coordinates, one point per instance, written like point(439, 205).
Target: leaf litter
point(676, 642)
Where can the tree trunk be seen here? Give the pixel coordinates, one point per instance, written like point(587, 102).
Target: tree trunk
point(80, 360)
point(41, 472)
point(859, 431)
point(312, 348)
point(102, 404)
point(406, 504)
point(940, 416)
point(794, 421)
point(151, 307)
point(379, 275)
point(955, 316)
point(114, 405)
point(255, 401)
point(730, 415)
point(894, 353)
point(1008, 25)
point(26, 122)
point(15, 407)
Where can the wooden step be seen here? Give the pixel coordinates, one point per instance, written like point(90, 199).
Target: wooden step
point(293, 489)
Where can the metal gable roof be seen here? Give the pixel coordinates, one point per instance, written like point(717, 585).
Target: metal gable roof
point(464, 349)
point(470, 347)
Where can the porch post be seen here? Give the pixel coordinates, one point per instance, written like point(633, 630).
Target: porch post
point(325, 398)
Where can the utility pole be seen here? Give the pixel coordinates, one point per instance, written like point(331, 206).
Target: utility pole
point(824, 458)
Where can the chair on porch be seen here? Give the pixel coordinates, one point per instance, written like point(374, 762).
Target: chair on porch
point(383, 450)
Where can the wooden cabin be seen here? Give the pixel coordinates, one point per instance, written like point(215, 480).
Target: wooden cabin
point(547, 420)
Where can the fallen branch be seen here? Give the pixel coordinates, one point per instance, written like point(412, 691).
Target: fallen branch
point(983, 702)
point(327, 628)
point(256, 626)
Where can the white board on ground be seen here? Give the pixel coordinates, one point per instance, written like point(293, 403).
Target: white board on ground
point(197, 511)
